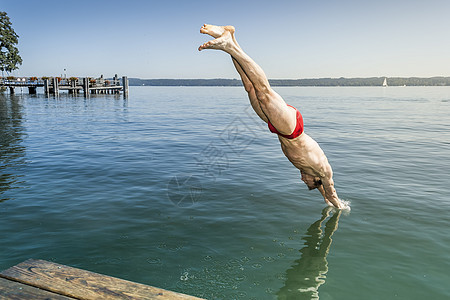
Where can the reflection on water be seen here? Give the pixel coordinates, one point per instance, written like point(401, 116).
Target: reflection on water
point(309, 272)
point(11, 149)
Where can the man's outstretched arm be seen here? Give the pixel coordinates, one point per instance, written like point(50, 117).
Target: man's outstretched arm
point(329, 190)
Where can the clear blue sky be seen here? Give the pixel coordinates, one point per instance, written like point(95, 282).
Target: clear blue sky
point(289, 39)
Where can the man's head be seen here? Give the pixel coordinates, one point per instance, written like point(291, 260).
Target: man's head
point(311, 181)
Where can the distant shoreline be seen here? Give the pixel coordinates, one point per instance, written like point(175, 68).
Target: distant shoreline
point(321, 82)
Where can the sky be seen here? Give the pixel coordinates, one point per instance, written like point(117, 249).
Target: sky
point(288, 39)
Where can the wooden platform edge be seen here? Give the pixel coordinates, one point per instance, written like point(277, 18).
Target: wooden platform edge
point(12, 290)
point(81, 284)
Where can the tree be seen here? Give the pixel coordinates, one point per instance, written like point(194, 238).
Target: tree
point(9, 54)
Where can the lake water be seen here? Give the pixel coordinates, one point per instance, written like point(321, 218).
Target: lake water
point(184, 189)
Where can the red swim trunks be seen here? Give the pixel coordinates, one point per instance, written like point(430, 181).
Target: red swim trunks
point(298, 128)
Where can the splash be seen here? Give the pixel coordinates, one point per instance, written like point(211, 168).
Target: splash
point(346, 206)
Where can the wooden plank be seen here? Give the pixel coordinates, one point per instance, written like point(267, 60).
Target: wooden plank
point(68, 87)
point(83, 284)
point(111, 87)
point(12, 290)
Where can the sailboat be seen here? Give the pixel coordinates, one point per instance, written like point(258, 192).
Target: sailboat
point(385, 82)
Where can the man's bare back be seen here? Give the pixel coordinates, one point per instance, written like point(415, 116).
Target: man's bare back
point(301, 150)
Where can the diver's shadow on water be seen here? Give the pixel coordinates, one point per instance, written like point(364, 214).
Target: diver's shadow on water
point(309, 272)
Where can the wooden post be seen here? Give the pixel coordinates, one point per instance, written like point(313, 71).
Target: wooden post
point(11, 90)
point(72, 85)
point(32, 90)
point(86, 86)
point(125, 86)
point(46, 87)
point(55, 86)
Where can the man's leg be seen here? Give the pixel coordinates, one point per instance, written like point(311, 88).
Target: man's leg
point(282, 117)
point(250, 89)
point(217, 31)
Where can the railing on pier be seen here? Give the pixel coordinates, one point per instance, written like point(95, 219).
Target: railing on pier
point(21, 82)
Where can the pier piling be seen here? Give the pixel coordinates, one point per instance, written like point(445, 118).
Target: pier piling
point(86, 86)
point(46, 87)
point(55, 87)
point(32, 90)
point(125, 85)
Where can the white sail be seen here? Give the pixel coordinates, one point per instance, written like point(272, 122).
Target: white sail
point(385, 82)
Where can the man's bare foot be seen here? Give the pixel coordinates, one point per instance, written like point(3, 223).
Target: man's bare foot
point(223, 37)
point(215, 31)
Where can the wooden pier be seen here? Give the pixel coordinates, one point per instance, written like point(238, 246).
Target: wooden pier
point(74, 85)
point(40, 279)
